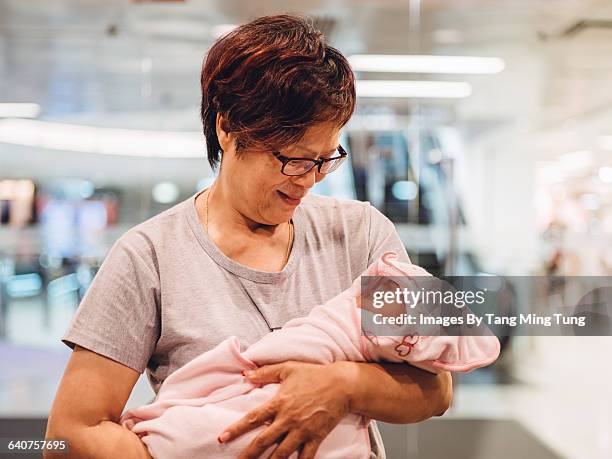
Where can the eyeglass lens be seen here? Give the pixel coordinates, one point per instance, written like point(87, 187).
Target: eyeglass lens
point(299, 166)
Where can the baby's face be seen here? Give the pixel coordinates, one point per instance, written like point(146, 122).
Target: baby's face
point(381, 285)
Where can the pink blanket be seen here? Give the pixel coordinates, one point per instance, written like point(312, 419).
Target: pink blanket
point(198, 401)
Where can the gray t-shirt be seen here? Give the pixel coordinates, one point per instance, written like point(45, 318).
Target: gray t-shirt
point(165, 293)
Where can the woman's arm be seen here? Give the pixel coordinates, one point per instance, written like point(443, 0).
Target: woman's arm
point(313, 398)
point(396, 392)
point(87, 406)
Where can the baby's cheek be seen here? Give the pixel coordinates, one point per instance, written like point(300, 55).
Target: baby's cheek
point(393, 309)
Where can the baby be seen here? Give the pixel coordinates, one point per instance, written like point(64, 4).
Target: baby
point(199, 400)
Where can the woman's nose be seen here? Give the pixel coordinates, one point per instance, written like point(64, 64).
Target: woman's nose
point(308, 179)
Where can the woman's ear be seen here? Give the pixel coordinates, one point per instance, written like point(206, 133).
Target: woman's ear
point(226, 139)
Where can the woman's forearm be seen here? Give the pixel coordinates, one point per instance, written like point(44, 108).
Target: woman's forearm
point(396, 392)
point(103, 441)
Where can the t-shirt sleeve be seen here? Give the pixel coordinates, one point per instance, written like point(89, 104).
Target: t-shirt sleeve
point(119, 314)
point(383, 237)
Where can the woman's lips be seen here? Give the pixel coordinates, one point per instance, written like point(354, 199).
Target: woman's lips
point(289, 200)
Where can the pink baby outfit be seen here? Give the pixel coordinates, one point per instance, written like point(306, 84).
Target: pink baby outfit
point(199, 400)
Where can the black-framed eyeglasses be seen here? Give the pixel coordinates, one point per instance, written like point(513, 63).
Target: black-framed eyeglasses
point(300, 166)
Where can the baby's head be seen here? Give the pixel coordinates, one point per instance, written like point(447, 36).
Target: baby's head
point(379, 296)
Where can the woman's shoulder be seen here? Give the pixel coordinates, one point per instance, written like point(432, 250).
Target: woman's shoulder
point(360, 220)
point(158, 231)
point(340, 212)
point(331, 206)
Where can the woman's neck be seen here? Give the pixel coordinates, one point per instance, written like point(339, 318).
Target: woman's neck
point(256, 245)
point(221, 214)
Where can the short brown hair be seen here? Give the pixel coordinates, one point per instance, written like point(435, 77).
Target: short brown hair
point(271, 80)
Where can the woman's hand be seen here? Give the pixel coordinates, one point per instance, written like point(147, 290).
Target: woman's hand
point(311, 401)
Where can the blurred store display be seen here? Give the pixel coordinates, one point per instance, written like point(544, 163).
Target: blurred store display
point(17, 202)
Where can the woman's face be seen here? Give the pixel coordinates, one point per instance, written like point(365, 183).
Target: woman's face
point(258, 189)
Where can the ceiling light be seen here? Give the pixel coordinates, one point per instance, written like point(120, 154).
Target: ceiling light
point(19, 110)
point(417, 89)
point(426, 64)
point(108, 141)
point(165, 192)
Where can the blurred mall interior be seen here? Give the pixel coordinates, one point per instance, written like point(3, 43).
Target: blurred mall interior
point(483, 130)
